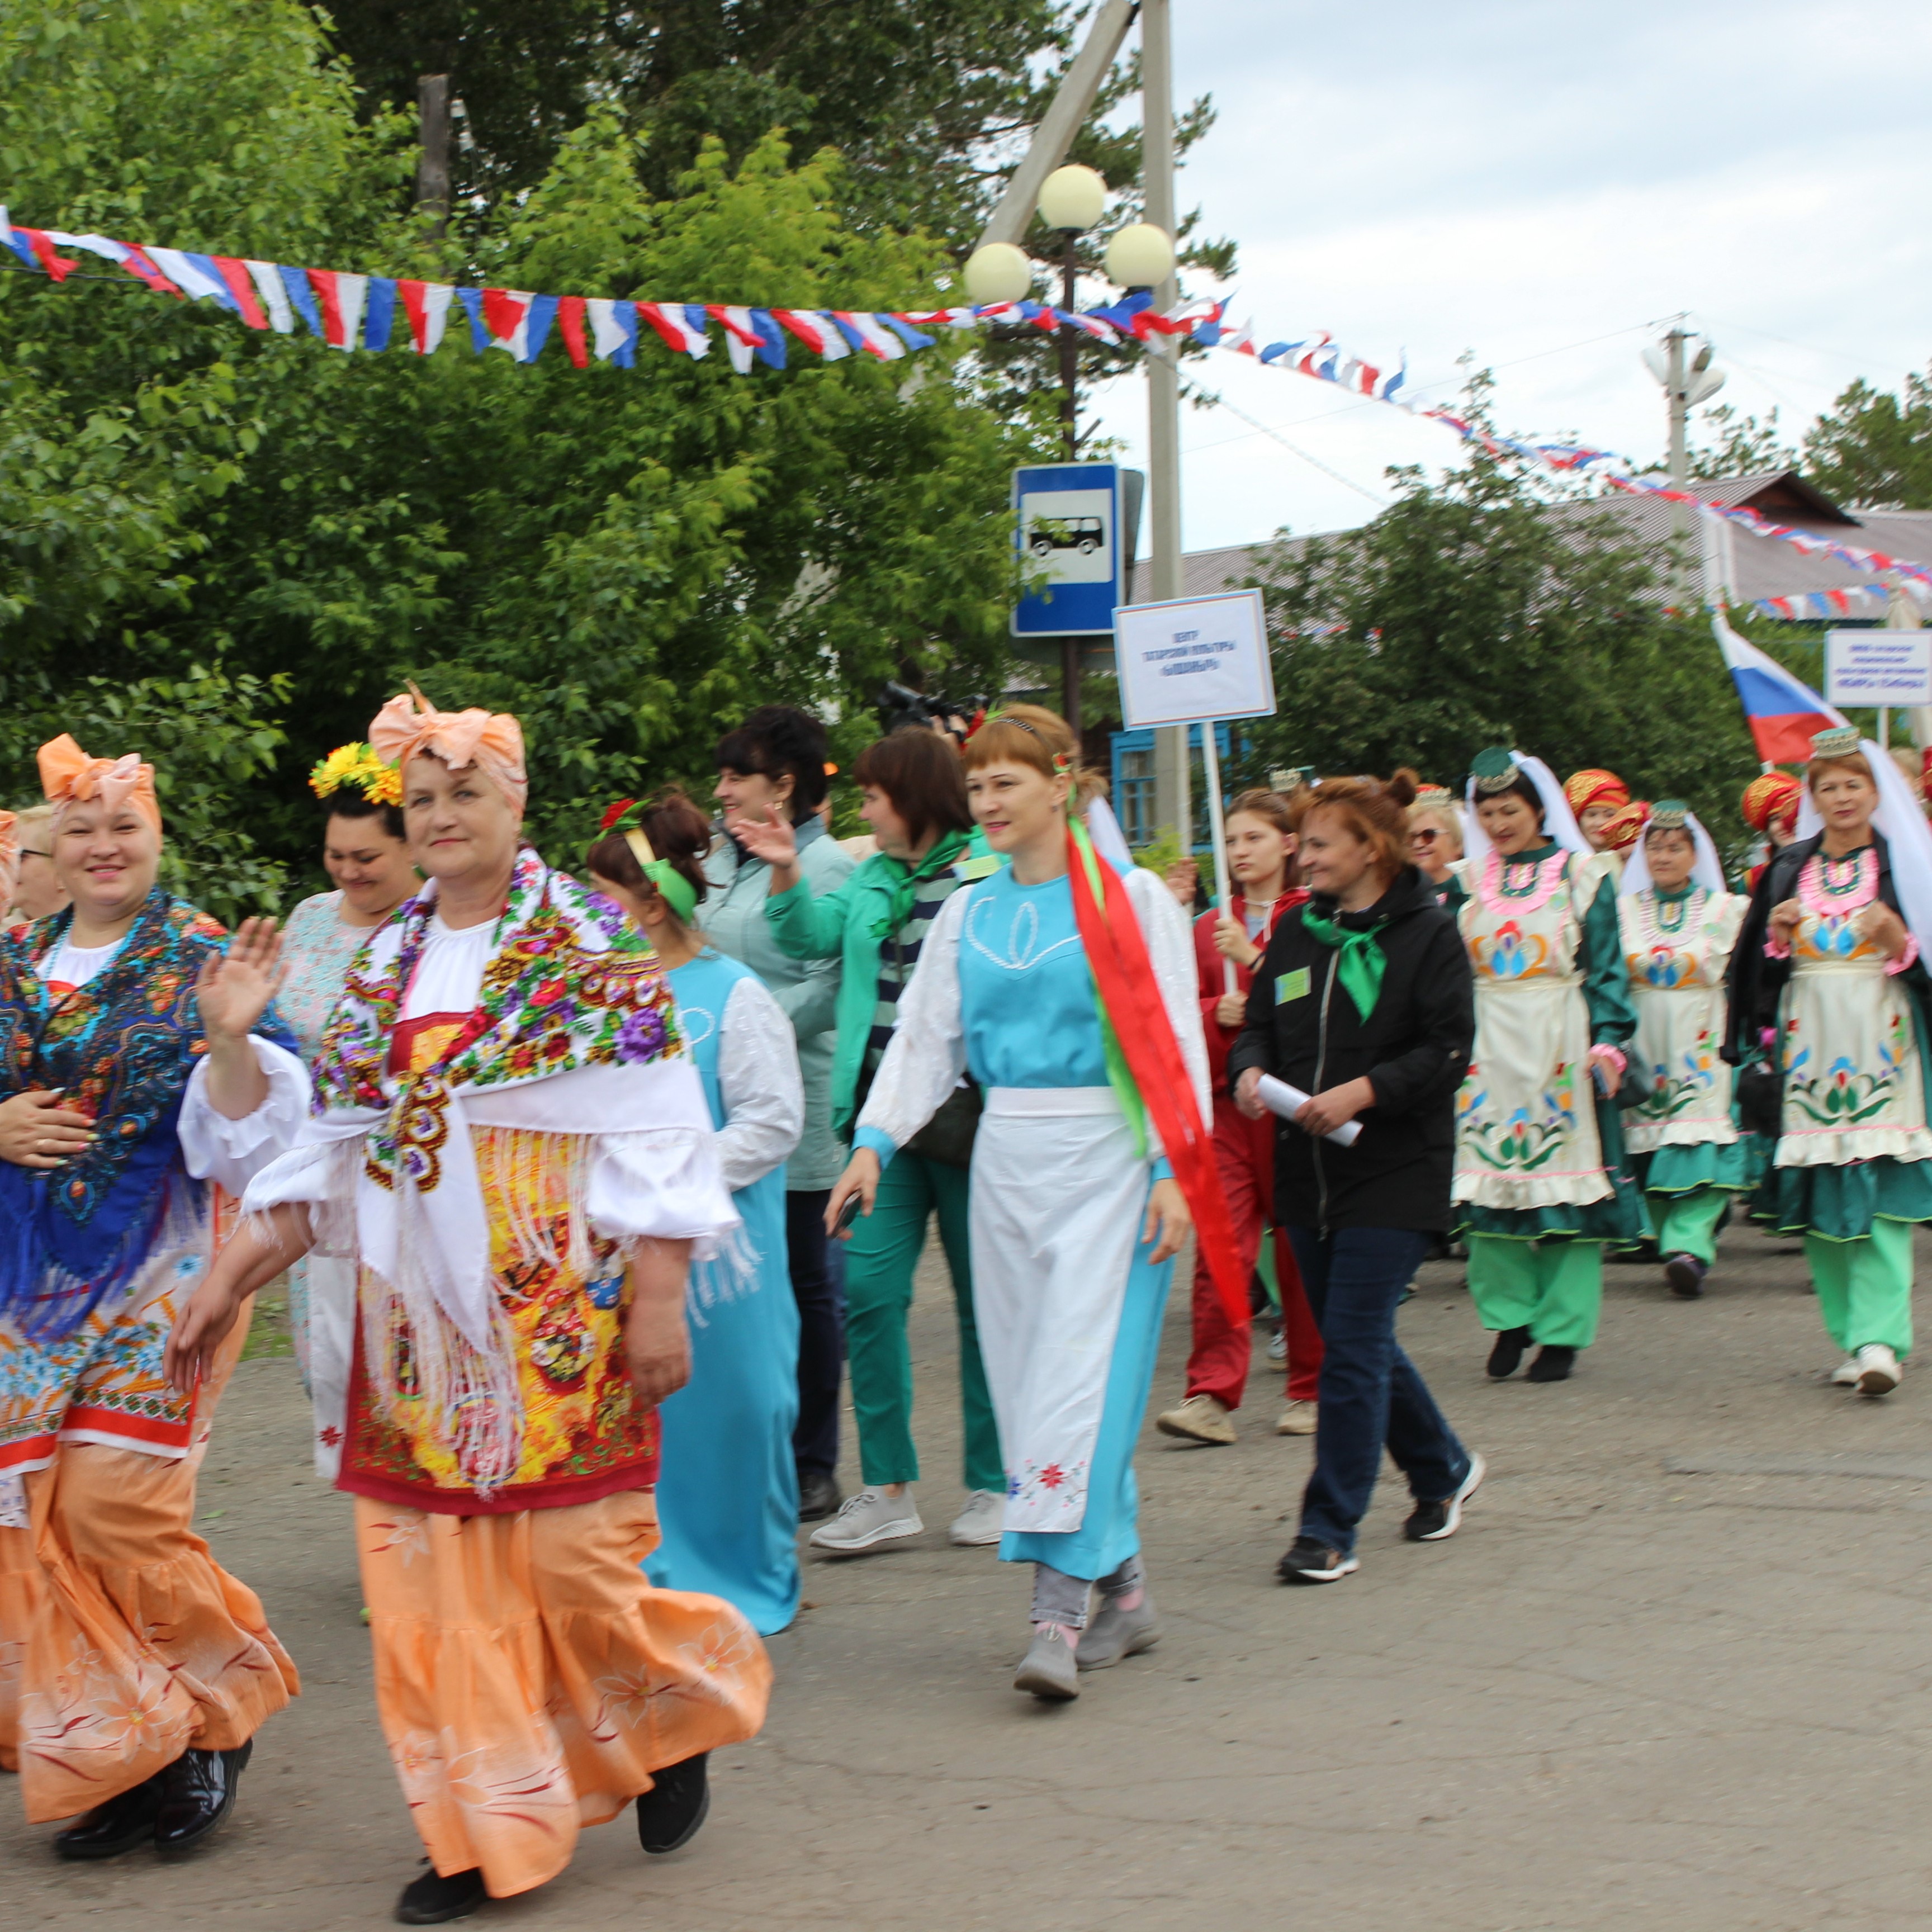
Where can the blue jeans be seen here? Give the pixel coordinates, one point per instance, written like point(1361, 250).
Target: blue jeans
point(1371, 1395)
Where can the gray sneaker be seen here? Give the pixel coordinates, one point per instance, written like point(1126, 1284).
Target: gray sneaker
point(1047, 1669)
point(869, 1519)
point(1115, 1633)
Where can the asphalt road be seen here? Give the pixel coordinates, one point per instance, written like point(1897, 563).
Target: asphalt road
point(1672, 1673)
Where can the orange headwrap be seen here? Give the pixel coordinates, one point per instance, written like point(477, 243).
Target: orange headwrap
point(1586, 788)
point(1620, 831)
point(1772, 798)
point(68, 776)
point(10, 859)
point(491, 741)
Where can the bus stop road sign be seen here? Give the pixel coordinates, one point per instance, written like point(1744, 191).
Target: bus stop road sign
point(1067, 530)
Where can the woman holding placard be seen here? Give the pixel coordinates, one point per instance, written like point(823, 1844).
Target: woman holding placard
point(1363, 1000)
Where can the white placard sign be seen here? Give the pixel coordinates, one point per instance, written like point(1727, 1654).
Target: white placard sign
point(1194, 659)
point(1888, 669)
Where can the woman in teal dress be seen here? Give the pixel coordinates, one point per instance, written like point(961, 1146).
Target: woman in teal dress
point(727, 1489)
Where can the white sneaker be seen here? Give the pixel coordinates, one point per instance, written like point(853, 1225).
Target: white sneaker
point(869, 1519)
point(1846, 1375)
point(1878, 1371)
point(1277, 1348)
point(1201, 1418)
point(982, 1522)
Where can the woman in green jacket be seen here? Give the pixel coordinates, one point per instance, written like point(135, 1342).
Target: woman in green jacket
point(915, 802)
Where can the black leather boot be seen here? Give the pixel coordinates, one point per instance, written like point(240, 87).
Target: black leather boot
point(197, 1794)
point(1552, 1364)
point(126, 1820)
point(433, 1900)
point(671, 1812)
point(1506, 1357)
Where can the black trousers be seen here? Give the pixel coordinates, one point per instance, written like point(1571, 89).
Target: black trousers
point(816, 1287)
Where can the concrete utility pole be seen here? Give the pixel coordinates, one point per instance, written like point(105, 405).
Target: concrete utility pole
point(1172, 805)
point(1681, 363)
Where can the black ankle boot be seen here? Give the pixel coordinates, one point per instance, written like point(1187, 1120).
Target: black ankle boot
point(433, 1900)
point(671, 1812)
point(1506, 1357)
point(126, 1820)
point(197, 1794)
point(1552, 1365)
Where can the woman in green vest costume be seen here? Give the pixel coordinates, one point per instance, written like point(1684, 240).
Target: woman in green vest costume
point(1541, 1179)
point(874, 922)
point(1680, 923)
point(1829, 975)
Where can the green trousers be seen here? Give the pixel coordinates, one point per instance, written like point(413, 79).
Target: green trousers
point(879, 1260)
point(1864, 1287)
point(1553, 1288)
point(1687, 1224)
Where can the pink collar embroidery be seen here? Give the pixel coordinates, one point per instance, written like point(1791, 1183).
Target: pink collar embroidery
point(1546, 877)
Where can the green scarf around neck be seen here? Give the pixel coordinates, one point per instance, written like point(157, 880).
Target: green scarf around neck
point(1363, 962)
point(907, 880)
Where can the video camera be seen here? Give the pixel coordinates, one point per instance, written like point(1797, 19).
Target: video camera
point(903, 709)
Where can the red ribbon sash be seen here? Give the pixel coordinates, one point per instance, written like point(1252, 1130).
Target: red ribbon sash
point(1117, 952)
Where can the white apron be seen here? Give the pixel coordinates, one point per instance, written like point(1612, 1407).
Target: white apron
point(1058, 1194)
point(1526, 1117)
point(1677, 954)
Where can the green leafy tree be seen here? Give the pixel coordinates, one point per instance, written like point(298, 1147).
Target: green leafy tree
point(1740, 446)
point(1873, 449)
point(1467, 614)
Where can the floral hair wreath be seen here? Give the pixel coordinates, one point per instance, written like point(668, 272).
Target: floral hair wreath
point(357, 766)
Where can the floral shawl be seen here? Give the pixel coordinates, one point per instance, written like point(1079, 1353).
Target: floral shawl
point(122, 1047)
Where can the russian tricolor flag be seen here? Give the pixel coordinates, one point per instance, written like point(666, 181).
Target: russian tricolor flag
point(1785, 714)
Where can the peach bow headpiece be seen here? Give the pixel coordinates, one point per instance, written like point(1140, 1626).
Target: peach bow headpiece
point(492, 741)
point(68, 776)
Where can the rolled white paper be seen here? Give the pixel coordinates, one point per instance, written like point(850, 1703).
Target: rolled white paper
point(1279, 1097)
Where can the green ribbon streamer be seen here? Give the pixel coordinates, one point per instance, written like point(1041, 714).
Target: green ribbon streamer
point(905, 889)
point(1363, 962)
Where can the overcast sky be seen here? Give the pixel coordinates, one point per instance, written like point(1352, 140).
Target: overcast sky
point(1543, 182)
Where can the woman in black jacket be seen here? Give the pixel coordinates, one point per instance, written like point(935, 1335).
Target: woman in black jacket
point(1365, 1001)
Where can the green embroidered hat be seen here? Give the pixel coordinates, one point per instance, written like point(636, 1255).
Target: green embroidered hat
point(1668, 814)
point(1495, 769)
point(1840, 741)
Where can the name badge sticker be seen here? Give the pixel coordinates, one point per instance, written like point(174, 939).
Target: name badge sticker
point(1292, 986)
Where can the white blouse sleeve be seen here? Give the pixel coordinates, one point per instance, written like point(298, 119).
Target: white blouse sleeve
point(763, 1091)
point(927, 1053)
point(1170, 944)
point(663, 1181)
point(232, 1153)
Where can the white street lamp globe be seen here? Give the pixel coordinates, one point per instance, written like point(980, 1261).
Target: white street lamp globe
point(1072, 197)
point(999, 272)
point(1141, 256)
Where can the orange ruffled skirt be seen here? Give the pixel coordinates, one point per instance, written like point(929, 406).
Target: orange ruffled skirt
point(530, 1679)
point(123, 1642)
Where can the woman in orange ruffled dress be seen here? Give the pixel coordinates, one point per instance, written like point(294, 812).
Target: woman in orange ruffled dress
point(515, 1143)
point(142, 1073)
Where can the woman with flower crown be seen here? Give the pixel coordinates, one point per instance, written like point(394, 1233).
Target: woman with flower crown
point(1541, 1176)
point(1064, 985)
point(1679, 924)
point(1829, 982)
point(365, 851)
point(515, 1145)
point(144, 1078)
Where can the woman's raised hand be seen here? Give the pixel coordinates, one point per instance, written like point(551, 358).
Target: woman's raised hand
point(770, 838)
point(233, 990)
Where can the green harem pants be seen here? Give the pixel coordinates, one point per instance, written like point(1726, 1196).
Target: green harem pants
point(1553, 1288)
point(1687, 1224)
point(1864, 1287)
point(880, 1260)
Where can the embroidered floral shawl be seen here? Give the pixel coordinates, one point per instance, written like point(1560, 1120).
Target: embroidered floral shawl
point(122, 1047)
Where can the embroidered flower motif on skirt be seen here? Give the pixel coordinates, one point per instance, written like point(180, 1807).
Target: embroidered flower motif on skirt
point(717, 1660)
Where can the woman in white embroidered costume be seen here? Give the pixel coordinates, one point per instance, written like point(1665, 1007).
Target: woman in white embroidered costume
point(141, 1074)
point(519, 1149)
point(1829, 980)
point(1541, 1182)
point(1679, 924)
point(1075, 1213)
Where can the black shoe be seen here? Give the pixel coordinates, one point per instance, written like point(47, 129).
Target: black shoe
point(671, 1812)
point(197, 1794)
point(1685, 1274)
point(126, 1820)
point(1552, 1365)
point(1430, 1522)
point(818, 1494)
point(1311, 1560)
point(432, 1899)
point(1506, 1357)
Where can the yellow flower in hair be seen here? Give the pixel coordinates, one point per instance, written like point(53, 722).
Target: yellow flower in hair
point(357, 766)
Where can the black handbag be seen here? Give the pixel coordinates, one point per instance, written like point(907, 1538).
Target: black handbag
point(947, 1138)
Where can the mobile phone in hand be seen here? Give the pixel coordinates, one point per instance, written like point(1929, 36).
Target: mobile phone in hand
point(848, 1213)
